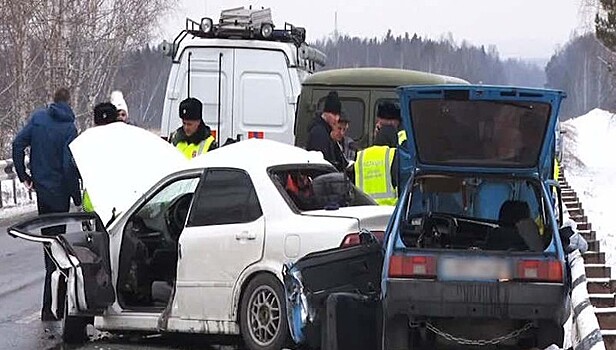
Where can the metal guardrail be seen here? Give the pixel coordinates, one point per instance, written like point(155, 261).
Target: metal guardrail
point(587, 334)
point(7, 172)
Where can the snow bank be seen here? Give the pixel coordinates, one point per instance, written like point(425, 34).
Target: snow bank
point(590, 167)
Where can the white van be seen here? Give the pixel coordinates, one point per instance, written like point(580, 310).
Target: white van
point(246, 73)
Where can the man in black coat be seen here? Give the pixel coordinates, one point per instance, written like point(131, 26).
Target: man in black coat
point(320, 138)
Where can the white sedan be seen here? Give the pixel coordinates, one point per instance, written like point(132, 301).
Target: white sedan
point(194, 246)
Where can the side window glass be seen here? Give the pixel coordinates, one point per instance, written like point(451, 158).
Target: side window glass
point(161, 200)
point(225, 197)
point(354, 110)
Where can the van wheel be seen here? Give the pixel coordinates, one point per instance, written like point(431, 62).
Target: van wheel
point(263, 322)
point(74, 327)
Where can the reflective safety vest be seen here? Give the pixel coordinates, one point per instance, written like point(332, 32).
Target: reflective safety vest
point(373, 174)
point(401, 137)
point(190, 150)
point(86, 203)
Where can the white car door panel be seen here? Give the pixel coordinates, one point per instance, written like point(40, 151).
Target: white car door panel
point(79, 248)
point(224, 235)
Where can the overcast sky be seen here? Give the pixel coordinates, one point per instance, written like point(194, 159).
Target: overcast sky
point(519, 28)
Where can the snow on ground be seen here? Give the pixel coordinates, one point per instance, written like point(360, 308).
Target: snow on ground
point(24, 203)
point(590, 168)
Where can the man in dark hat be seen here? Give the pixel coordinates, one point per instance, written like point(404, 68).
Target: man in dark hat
point(387, 124)
point(194, 137)
point(376, 169)
point(320, 138)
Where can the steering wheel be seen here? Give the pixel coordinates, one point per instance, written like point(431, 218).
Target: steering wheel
point(175, 216)
point(431, 235)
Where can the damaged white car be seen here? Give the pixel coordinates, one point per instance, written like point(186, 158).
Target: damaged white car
point(194, 246)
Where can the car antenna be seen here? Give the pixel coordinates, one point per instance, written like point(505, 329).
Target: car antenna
point(219, 96)
point(188, 78)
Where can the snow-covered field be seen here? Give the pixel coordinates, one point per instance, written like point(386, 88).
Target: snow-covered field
point(590, 168)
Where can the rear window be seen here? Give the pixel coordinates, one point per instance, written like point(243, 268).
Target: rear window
point(308, 188)
point(490, 133)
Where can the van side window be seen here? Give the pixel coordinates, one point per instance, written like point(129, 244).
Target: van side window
point(354, 110)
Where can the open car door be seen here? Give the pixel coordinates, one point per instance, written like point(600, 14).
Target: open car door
point(333, 296)
point(81, 257)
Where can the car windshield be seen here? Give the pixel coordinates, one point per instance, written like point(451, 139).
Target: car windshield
point(488, 213)
point(317, 187)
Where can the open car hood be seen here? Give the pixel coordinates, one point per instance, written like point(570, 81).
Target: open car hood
point(479, 128)
point(119, 163)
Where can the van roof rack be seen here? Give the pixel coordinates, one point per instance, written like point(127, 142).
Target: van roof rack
point(239, 23)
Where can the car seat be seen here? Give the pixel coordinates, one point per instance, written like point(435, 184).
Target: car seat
point(506, 236)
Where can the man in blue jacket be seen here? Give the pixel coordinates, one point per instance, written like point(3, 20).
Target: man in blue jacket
point(54, 175)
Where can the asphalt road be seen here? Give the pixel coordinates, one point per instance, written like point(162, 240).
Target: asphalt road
point(21, 290)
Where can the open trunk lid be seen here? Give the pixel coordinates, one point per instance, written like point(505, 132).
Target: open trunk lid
point(479, 128)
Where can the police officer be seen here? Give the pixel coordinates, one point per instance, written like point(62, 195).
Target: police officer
point(193, 138)
point(376, 168)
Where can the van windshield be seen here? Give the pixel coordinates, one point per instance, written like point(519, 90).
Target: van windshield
point(308, 188)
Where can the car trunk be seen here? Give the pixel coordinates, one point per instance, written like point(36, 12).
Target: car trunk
point(370, 217)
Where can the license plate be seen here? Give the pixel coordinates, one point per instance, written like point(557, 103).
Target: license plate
point(474, 269)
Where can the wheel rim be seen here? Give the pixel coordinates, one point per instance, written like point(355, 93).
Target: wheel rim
point(263, 315)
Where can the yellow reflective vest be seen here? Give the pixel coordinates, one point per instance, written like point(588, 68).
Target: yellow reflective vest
point(401, 137)
point(373, 174)
point(190, 150)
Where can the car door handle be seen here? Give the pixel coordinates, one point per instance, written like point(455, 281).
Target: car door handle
point(245, 235)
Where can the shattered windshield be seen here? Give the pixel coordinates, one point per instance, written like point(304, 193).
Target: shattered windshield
point(479, 133)
point(317, 187)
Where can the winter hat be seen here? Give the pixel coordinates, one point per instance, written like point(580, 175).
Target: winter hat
point(117, 99)
point(191, 109)
point(332, 103)
point(388, 111)
point(105, 113)
point(387, 135)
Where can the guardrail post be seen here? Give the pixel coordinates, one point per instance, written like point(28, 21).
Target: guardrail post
point(14, 192)
point(0, 193)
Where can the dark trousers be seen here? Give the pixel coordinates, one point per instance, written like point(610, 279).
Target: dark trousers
point(48, 206)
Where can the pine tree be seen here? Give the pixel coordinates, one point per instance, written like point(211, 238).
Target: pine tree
point(605, 23)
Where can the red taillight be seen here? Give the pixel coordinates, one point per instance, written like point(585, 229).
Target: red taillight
point(353, 238)
point(418, 266)
point(540, 270)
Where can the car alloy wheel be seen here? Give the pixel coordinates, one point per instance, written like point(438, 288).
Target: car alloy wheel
point(264, 315)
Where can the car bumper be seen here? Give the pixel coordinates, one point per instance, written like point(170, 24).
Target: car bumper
point(509, 300)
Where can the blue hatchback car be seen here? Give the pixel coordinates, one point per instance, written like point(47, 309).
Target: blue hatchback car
point(473, 254)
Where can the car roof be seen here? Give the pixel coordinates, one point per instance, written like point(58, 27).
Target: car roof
point(378, 77)
point(257, 155)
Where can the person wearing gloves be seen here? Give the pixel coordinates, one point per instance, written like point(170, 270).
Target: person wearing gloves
point(117, 99)
point(193, 138)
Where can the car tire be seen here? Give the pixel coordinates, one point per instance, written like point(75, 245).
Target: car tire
point(396, 334)
point(548, 333)
point(263, 322)
point(74, 328)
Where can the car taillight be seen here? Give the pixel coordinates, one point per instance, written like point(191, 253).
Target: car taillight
point(540, 270)
point(417, 266)
point(353, 238)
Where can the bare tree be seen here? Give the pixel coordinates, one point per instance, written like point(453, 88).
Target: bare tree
point(80, 44)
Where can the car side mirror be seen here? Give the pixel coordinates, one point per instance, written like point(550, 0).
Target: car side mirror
point(572, 241)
